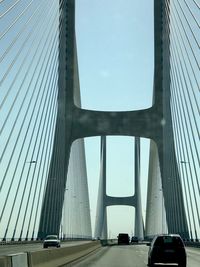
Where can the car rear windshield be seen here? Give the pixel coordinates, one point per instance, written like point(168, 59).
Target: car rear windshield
point(123, 236)
point(51, 237)
point(169, 241)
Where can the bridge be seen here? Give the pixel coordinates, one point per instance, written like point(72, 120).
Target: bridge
point(43, 177)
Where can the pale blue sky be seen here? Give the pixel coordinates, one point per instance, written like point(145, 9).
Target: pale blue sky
point(115, 56)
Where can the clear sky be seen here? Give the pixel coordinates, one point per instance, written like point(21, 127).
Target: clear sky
point(115, 55)
point(116, 65)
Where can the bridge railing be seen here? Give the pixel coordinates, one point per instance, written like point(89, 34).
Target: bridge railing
point(194, 243)
point(34, 241)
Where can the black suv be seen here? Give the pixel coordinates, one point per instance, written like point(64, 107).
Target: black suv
point(167, 249)
point(123, 239)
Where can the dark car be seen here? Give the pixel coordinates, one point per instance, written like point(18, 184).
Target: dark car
point(51, 241)
point(134, 239)
point(167, 249)
point(123, 239)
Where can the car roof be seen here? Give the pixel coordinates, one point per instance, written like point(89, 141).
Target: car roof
point(52, 236)
point(176, 235)
point(166, 235)
point(123, 234)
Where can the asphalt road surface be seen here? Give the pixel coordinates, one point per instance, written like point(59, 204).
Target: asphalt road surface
point(128, 256)
point(113, 256)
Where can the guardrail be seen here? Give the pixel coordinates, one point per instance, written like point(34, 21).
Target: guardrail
point(195, 244)
point(31, 241)
point(3, 243)
point(9, 241)
point(49, 257)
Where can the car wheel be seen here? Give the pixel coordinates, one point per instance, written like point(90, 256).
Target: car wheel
point(149, 263)
point(44, 246)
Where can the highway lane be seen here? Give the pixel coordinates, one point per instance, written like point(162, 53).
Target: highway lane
point(116, 256)
point(193, 257)
point(113, 256)
point(12, 249)
point(128, 256)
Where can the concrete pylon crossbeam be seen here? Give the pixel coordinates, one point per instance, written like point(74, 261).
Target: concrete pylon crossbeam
point(104, 200)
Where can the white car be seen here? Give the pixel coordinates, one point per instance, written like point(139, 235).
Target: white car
point(51, 241)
